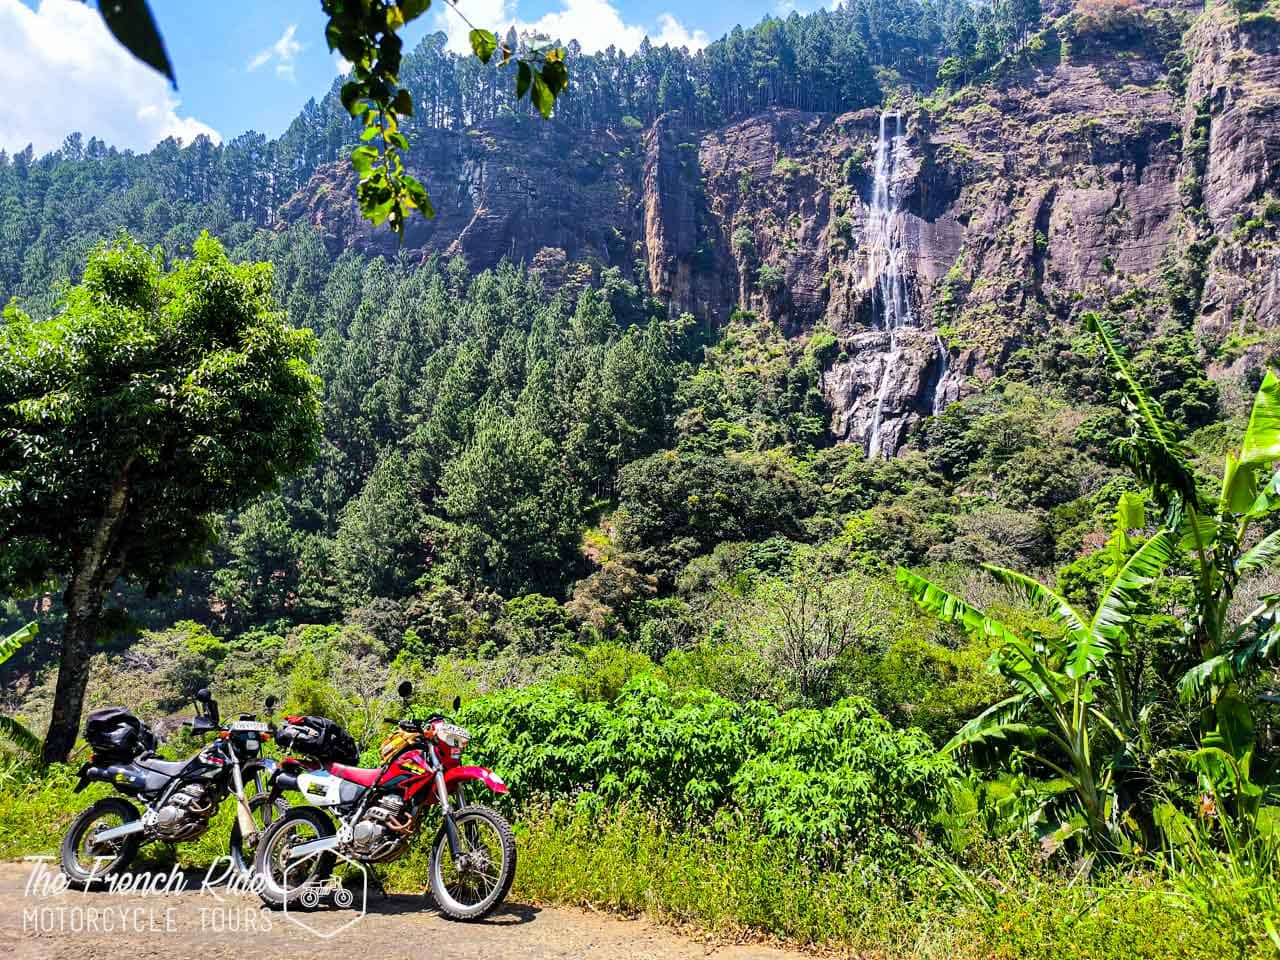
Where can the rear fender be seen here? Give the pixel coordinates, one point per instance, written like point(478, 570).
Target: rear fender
point(459, 775)
point(284, 776)
point(88, 774)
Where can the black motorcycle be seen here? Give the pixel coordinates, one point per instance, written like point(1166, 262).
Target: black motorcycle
point(179, 797)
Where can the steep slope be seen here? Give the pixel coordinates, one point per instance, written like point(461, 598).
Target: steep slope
point(1137, 149)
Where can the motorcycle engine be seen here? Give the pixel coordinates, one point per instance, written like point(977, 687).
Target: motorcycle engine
point(383, 830)
point(185, 815)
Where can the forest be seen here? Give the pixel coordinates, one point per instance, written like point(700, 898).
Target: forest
point(1007, 693)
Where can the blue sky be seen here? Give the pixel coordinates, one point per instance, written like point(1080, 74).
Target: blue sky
point(244, 64)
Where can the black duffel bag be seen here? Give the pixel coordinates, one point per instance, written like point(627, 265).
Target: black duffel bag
point(317, 737)
point(115, 734)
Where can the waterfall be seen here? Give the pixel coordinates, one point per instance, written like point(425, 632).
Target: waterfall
point(884, 259)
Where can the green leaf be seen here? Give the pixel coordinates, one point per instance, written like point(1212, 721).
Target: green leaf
point(1261, 442)
point(403, 103)
point(413, 9)
point(950, 608)
point(1039, 596)
point(418, 194)
point(15, 731)
point(1261, 555)
point(1215, 671)
point(131, 23)
point(994, 723)
point(556, 76)
point(11, 644)
point(350, 95)
point(542, 96)
point(524, 77)
point(363, 159)
point(1154, 452)
point(1130, 515)
point(483, 44)
point(1116, 608)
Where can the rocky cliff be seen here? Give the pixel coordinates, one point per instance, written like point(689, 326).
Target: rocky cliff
point(1141, 150)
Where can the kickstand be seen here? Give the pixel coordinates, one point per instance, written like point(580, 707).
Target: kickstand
point(377, 881)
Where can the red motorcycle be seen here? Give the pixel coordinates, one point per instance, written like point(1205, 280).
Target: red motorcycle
point(370, 815)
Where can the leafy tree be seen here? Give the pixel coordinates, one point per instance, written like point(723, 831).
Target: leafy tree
point(1220, 657)
point(518, 521)
point(1077, 707)
point(382, 544)
point(151, 401)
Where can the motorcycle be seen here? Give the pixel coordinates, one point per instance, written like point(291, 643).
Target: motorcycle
point(179, 797)
point(371, 814)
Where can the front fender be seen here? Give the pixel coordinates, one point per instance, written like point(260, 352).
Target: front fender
point(464, 774)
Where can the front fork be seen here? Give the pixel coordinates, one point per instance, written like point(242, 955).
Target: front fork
point(248, 829)
point(450, 827)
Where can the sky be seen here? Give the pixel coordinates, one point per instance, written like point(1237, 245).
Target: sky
point(251, 65)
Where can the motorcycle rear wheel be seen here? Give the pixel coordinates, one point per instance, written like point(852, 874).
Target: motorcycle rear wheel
point(78, 856)
point(475, 884)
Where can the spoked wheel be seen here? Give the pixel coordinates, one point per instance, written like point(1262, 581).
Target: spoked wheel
point(473, 885)
point(284, 880)
point(86, 860)
point(264, 813)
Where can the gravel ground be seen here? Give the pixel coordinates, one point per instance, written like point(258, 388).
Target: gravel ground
point(45, 924)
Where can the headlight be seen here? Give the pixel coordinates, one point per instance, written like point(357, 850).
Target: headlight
point(452, 734)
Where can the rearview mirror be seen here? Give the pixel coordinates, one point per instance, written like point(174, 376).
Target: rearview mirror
point(271, 702)
point(405, 689)
point(203, 695)
point(457, 702)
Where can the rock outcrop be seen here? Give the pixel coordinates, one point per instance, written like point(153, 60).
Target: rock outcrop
point(1103, 159)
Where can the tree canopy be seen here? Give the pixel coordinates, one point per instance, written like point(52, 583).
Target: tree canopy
point(153, 400)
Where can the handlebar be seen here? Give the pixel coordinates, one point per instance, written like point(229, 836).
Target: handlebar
point(411, 725)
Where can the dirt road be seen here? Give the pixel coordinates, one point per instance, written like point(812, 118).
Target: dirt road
point(41, 924)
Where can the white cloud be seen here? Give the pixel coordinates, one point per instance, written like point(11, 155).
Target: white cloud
point(341, 63)
point(283, 52)
point(595, 24)
point(63, 71)
point(675, 34)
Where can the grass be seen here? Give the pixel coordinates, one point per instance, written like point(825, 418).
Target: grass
point(728, 881)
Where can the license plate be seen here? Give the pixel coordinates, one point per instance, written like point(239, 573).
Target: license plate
point(248, 726)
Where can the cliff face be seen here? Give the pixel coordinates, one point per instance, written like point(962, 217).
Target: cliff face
point(1106, 157)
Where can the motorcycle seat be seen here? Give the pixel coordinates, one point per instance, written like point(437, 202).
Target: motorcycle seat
point(365, 776)
point(169, 768)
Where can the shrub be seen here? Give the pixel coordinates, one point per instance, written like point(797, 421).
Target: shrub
point(771, 277)
point(673, 752)
point(787, 167)
point(841, 779)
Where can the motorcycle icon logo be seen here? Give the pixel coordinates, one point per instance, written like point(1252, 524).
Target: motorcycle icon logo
point(316, 892)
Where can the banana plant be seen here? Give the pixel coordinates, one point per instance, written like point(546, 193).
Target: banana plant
point(1218, 539)
point(10, 727)
point(1075, 709)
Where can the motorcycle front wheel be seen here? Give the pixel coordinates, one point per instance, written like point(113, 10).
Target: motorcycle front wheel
point(473, 885)
point(283, 881)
